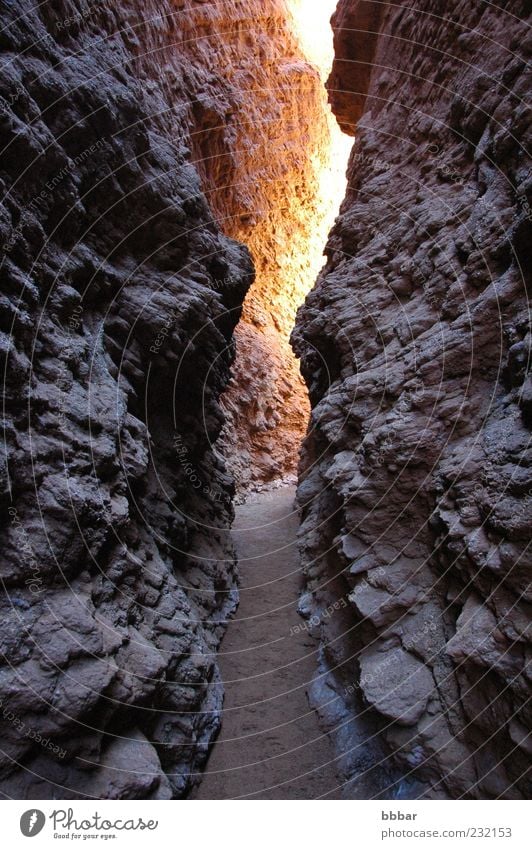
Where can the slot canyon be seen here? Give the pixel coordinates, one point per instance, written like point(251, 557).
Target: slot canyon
point(266, 477)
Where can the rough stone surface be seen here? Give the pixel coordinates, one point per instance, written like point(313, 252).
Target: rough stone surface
point(397, 684)
point(263, 146)
point(119, 300)
point(415, 345)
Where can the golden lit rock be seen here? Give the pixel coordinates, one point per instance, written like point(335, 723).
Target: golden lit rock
point(275, 184)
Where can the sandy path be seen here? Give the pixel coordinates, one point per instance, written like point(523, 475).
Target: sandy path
point(270, 745)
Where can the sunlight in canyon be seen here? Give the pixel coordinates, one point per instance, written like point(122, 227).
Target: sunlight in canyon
point(287, 204)
point(311, 21)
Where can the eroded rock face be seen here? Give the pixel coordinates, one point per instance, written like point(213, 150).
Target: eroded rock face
point(262, 143)
point(415, 345)
point(119, 300)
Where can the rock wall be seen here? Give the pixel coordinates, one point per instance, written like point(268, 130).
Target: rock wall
point(416, 347)
point(262, 144)
point(119, 300)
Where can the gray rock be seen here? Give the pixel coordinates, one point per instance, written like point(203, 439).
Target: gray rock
point(396, 684)
point(415, 346)
point(117, 337)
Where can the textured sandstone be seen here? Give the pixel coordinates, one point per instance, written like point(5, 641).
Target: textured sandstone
point(119, 299)
point(415, 345)
point(262, 145)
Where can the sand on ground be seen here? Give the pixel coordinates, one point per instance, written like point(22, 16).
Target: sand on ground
point(270, 745)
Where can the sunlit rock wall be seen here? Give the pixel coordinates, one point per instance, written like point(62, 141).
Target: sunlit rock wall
point(262, 147)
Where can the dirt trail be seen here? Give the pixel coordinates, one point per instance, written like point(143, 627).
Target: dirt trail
point(270, 745)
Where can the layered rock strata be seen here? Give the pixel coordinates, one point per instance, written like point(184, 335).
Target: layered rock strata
point(416, 348)
point(119, 300)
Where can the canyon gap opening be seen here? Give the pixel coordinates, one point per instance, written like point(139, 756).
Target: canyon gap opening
point(277, 189)
point(288, 180)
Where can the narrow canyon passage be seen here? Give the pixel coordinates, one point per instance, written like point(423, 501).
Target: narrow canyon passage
point(231, 230)
point(270, 745)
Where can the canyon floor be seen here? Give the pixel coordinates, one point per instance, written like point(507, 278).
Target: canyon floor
point(270, 745)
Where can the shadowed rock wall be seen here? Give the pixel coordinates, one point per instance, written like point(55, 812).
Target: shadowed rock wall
point(119, 300)
point(415, 345)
